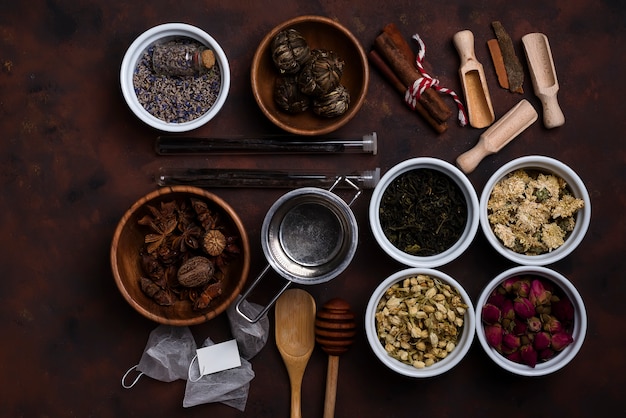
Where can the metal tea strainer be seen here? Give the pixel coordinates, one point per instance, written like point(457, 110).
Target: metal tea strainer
point(309, 236)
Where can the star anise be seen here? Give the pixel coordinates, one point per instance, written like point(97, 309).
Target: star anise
point(189, 237)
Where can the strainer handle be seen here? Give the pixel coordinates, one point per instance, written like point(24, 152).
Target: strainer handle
point(351, 184)
point(249, 290)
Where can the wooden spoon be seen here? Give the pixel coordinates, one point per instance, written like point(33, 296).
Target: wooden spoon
point(473, 81)
point(295, 338)
point(334, 332)
point(543, 76)
point(509, 126)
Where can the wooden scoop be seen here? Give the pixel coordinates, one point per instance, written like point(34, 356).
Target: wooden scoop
point(334, 332)
point(516, 120)
point(295, 338)
point(473, 81)
point(543, 76)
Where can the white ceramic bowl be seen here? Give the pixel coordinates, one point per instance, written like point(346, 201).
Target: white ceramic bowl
point(162, 33)
point(578, 333)
point(453, 358)
point(466, 237)
point(574, 183)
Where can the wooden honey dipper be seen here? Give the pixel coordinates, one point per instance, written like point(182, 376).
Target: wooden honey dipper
point(334, 332)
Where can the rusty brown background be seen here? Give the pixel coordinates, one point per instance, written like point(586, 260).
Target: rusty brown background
point(73, 158)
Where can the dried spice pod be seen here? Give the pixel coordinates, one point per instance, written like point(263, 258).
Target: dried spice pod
point(322, 73)
point(196, 271)
point(290, 51)
point(288, 96)
point(332, 104)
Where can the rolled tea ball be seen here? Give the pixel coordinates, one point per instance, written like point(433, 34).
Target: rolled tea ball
point(332, 104)
point(288, 96)
point(322, 73)
point(290, 51)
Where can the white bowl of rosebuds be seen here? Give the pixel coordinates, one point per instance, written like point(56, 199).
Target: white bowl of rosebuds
point(531, 320)
point(420, 322)
point(175, 77)
point(535, 210)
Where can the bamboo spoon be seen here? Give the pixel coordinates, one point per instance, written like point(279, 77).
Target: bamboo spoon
point(516, 120)
point(473, 81)
point(295, 338)
point(334, 332)
point(543, 76)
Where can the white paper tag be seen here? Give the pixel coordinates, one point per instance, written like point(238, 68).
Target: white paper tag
point(218, 357)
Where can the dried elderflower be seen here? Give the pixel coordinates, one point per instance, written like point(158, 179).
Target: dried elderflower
point(532, 213)
point(419, 320)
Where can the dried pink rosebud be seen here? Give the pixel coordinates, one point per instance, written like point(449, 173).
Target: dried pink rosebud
point(491, 314)
point(510, 284)
point(520, 327)
point(546, 354)
point(515, 356)
point(551, 324)
point(510, 342)
point(542, 341)
point(560, 340)
point(529, 355)
point(507, 309)
point(523, 308)
point(496, 299)
point(538, 294)
point(534, 324)
point(523, 288)
point(493, 334)
point(563, 309)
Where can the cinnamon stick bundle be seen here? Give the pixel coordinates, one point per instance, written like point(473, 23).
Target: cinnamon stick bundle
point(393, 57)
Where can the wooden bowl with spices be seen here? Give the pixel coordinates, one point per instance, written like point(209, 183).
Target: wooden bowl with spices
point(180, 255)
point(309, 75)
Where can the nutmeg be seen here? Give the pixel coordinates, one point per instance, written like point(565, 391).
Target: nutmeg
point(214, 242)
point(196, 271)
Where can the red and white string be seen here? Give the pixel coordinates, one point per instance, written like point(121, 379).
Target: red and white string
point(419, 86)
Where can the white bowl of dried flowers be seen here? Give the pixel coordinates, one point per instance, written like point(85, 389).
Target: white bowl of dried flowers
point(531, 320)
point(535, 210)
point(420, 322)
point(175, 77)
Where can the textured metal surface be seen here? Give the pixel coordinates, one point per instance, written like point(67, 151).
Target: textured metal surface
point(73, 158)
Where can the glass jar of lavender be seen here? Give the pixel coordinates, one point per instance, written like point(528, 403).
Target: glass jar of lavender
point(181, 59)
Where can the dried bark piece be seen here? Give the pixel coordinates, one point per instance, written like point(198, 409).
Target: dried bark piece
point(514, 69)
point(498, 63)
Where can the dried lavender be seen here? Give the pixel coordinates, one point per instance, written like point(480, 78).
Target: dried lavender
point(175, 99)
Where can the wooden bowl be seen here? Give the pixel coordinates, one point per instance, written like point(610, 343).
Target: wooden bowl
point(128, 241)
point(321, 33)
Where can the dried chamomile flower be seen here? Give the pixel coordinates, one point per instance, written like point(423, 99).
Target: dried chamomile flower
point(532, 213)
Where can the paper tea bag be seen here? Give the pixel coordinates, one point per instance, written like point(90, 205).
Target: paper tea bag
point(167, 355)
point(230, 386)
point(251, 338)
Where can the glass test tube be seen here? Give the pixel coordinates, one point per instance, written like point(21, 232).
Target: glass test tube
point(174, 145)
point(217, 177)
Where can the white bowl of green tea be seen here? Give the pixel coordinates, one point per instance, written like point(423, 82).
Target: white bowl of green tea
point(535, 210)
point(424, 212)
point(173, 101)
